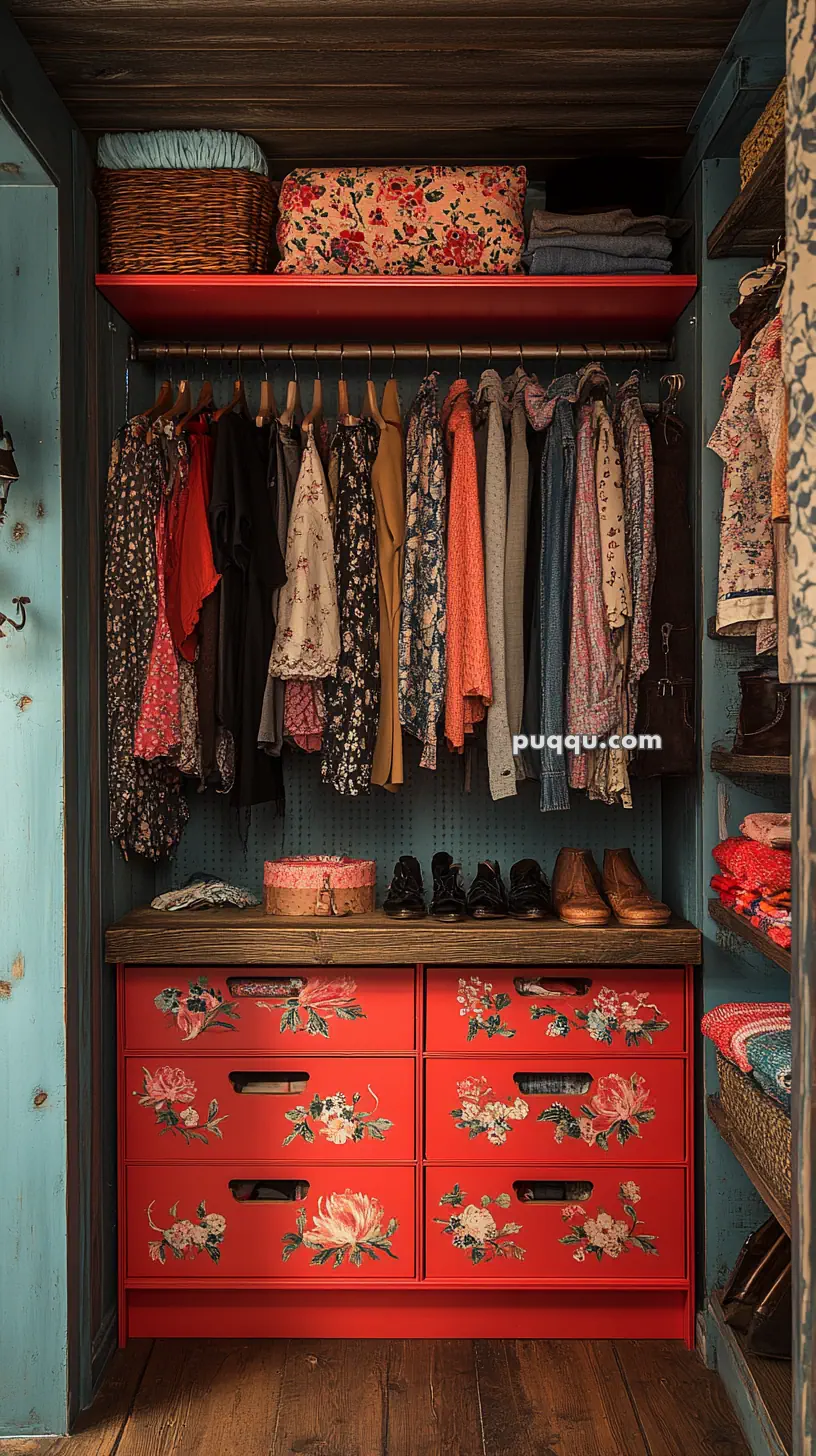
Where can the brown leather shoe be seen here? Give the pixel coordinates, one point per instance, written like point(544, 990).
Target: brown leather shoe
point(627, 891)
point(576, 890)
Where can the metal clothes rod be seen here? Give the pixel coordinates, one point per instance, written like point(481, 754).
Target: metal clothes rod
point(339, 353)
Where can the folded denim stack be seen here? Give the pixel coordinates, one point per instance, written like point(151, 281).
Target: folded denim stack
point(612, 241)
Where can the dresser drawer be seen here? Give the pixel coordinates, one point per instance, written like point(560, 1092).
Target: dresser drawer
point(356, 1010)
point(350, 1223)
point(551, 1010)
point(588, 1110)
point(605, 1225)
point(300, 1109)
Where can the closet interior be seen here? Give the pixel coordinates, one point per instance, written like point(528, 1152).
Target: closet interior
point(411, 1002)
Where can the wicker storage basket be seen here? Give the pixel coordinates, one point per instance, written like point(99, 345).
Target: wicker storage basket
point(771, 124)
point(185, 220)
point(764, 1127)
point(319, 885)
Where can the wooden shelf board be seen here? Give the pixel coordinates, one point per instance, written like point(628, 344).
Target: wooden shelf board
point(517, 309)
point(743, 1155)
point(741, 927)
point(756, 217)
point(226, 937)
point(767, 1384)
point(742, 765)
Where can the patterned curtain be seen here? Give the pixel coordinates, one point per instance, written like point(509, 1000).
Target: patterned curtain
point(800, 334)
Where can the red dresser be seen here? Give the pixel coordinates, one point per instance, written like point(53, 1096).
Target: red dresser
point(412, 1150)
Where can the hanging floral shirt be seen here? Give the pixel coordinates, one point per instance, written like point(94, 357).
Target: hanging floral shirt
point(745, 596)
point(424, 576)
point(641, 552)
point(307, 639)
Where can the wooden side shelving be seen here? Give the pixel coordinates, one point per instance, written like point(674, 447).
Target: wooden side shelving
point(743, 1155)
point(756, 217)
point(739, 926)
point(744, 765)
point(766, 1385)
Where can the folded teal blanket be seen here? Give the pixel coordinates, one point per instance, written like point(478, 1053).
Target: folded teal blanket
point(769, 1053)
point(131, 150)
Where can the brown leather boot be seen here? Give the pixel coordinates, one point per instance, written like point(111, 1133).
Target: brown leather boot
point(627, 891)
point(576, 889)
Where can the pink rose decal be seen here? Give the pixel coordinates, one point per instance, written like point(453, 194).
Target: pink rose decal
point(165, 1086)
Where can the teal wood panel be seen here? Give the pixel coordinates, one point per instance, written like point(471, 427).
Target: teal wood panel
point(33, 1144)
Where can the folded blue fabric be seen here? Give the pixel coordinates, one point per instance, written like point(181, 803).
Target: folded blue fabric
point(621, 247)
point(769, 1053)
point(133, 150)
point(556, 259)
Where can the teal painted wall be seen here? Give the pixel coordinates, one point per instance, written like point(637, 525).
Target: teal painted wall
point(33, 1139)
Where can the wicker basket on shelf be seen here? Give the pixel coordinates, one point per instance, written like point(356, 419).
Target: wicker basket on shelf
point(185, 220)
point(760, 139)
point(763, 1126)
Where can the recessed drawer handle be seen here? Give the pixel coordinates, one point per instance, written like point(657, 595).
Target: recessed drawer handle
point(269, 1190)
point(548, 1084)
point(551, 1190)
point(550, 986)
point(265, 985)
point(268, 1084)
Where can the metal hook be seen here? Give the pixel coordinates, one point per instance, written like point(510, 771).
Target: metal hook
point(316, 361)
point(293, 362)
point(342, 373)
point(521, 358)
point(490, 356)
point(368, 346)
point(205, 362)
point(427, 359)
point(262, 357)
point(20, 603)
point(393, 359)
point(557, 362)
point(238, 360)
point(460, 361)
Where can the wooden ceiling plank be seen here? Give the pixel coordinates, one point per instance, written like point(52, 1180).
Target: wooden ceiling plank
point(237, 12)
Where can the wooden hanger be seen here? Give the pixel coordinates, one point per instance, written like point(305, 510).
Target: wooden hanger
point(268, 409)
point(293, 404)
point(204, 402)
point(163, 401)
point(371, 407)
point(239, 399)
point(343, 412)
point(315, 415)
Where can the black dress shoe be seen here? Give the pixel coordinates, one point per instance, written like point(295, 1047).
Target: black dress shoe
point(448, 901)
point(406, 898)
point(529, 897)
point(487, 897)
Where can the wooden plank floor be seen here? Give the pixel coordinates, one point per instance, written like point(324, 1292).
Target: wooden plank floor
point(403, 1398)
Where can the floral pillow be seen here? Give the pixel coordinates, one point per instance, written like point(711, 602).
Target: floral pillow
point(402, 220)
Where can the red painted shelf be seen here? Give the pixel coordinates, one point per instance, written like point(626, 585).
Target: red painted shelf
point(287, 308)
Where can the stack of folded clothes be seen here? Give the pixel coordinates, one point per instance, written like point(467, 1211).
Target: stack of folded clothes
point(755, 881)
point(612, 241)
point(756, 1038)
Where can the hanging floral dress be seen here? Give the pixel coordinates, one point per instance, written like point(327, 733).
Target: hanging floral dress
point(469, 686)
point(147, 806)
point(424, 577)
point(352, 696)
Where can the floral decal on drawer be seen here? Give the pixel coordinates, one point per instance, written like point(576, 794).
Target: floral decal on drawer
point(481, 1113)
point(605, 1235)
point(345, 1225)
point(197, 1010)
point(631, 1015)
point(169, 1088)
point(337, 1120)
point(618, 1109)
point(311, 1008)
point(482, 1008)
point(473, 1228)
point(185, 1239)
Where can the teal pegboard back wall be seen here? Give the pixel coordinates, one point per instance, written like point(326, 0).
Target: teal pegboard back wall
point(431, 812)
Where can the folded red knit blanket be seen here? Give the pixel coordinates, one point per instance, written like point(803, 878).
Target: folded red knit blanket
point(731, 1025)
